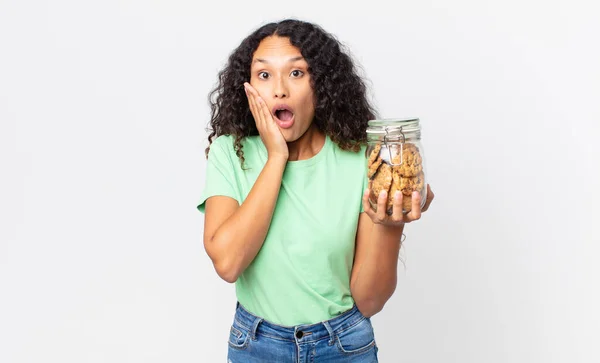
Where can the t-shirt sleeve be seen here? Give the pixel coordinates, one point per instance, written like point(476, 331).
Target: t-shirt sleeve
point(365, 186)
point(365, 179)
point(220, 175)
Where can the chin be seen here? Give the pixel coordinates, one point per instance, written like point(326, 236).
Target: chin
point(293, 134)
point(289, 135)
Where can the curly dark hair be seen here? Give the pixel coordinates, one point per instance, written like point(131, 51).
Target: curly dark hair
point(341, 106)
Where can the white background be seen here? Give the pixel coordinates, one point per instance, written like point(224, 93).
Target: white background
point(103, 109)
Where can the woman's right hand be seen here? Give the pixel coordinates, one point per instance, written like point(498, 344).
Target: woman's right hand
point(267, 128)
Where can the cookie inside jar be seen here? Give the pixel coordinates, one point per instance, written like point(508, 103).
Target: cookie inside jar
point(395, 162)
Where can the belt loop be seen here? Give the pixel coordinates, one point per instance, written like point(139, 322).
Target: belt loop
point(331, 334)
point(255, 327)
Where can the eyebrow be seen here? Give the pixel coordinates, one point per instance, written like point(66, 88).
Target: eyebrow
point(294, 59)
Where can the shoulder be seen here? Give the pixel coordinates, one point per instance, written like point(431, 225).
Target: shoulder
point(226, 143)
point(348, 162)
point(223, 143)
point(350, 154)
point(223, 150)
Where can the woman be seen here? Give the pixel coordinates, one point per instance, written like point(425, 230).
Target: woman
point(284, 217)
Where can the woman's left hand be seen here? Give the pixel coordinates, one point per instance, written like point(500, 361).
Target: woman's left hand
point(398, 218)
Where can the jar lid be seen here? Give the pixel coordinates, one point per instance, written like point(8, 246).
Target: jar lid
point(393, 126)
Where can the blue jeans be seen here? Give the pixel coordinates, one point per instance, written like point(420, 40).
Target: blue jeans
point(348, 338)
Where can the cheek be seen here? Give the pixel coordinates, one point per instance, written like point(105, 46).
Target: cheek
point(260, 86)
point(308, 107)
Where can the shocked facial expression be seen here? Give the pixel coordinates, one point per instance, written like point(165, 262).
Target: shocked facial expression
point(280, 75)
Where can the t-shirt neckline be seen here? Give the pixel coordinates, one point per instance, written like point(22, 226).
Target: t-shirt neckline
point(315, 159)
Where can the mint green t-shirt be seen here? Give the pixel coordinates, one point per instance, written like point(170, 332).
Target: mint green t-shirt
point(301, 275)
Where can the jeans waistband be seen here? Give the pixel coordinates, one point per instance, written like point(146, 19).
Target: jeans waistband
point(300, 333)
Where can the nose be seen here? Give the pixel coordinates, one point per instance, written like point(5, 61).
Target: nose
point(280, 89)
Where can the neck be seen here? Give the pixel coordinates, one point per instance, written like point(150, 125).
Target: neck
point(308, 145)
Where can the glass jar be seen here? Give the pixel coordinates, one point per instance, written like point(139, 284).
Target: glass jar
point(395, 161)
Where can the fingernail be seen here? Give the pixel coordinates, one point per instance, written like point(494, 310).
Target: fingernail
point(415, 194)
point(397, 195)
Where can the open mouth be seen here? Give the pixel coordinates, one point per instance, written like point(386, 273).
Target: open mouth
point(284, 116)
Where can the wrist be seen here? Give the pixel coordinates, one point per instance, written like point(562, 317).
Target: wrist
point(277, 159)
point(392, 231)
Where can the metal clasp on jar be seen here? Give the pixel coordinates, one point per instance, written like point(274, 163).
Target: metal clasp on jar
point(400, 146)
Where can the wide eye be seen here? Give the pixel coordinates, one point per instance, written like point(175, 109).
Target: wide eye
point(296, 73)
point(263, 75)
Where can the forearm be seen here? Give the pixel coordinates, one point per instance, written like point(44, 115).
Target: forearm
point(237, 241)
point(377, 277)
